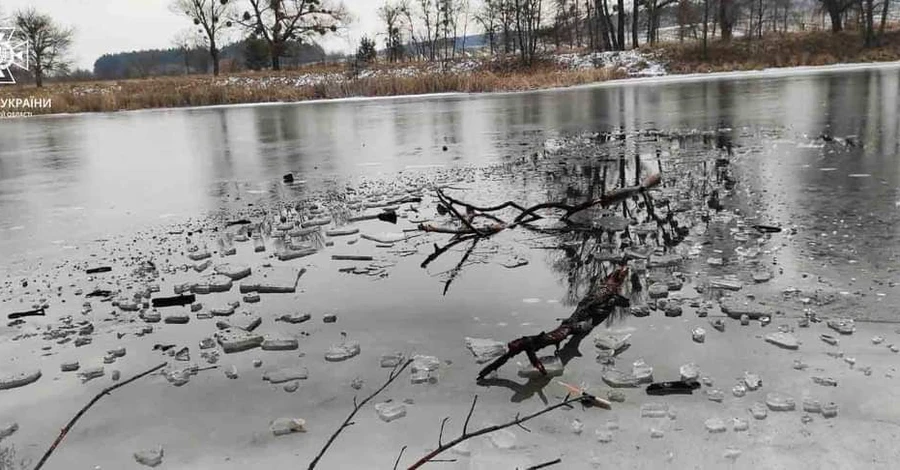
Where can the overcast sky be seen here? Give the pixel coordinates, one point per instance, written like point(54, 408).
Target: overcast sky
point(106, 26)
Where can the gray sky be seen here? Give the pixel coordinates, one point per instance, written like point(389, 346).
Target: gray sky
point(107, 26)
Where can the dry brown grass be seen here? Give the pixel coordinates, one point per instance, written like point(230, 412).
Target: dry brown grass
point(820, 48)
point(783, 50)
point(172, 92)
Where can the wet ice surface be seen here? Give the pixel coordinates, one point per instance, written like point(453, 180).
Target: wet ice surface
point(363, 332)
point(238, 416)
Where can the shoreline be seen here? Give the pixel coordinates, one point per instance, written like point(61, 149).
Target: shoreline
point(774, 72)
point(669, 78)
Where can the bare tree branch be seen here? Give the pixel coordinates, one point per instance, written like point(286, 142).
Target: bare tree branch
point(566, 402)
point(82, 411)
point(526, 215)
point(469, 416)
point(544, 465)
point(438, 250)
point(211, 16)
point(282, 21)
point(397, 462)
point(395, 372)
point(441, 435)
point(454, 273)
point(592, 310)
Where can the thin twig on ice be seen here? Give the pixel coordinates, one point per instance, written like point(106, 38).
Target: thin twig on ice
point(545, 464)
point(105, 391)
point(356, 407)
point(430, 457)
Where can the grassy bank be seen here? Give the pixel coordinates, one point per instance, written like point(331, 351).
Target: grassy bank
point(171, 92)
point(802, 49)
point(790, 50)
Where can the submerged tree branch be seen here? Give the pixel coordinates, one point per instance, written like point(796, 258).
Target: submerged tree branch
point(567, 401)
point(528, 214)
point(356, 407)
point(592, 310)
point(455, 271)
point(399, 456)
point(545, 464)
point(105, 391)
point(439, 250)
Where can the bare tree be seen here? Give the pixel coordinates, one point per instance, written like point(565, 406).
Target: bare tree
point(836, 10)
point(561, 23)
point(420, 23)
point(48, 42)
point(434, 26)
point(727, 17)
point(508, 24)
point(186, 41)
point(448, 22)
point(577, 21)
point(867, 9)
point(606, 29)
point(591, 22)
point(489, 19)
point(528, 24)
point(464, 10)
point(281, 21)
point(430, 21)
point(634, 22)
point(685, 16)
point(620, 16)
point(784, 17)
point(654, 7)
point(391, 13)
point(211, 18)
point(886, 5)
point(758, 10)
point(705, 28)
point(567, 23)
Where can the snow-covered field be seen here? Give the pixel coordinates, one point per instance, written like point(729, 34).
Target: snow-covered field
point(634, 63)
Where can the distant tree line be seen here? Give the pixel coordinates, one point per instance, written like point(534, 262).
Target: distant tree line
point(141, 64)
point(249, 54)
point(431, 29)
point(271, 34)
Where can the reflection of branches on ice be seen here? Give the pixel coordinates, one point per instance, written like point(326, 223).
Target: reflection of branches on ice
point(317, 240)
point(526, 215)
point(584, 239)
point(470, 257)
point(462, 263)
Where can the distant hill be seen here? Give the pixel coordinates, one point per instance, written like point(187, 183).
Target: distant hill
point(473, 41)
